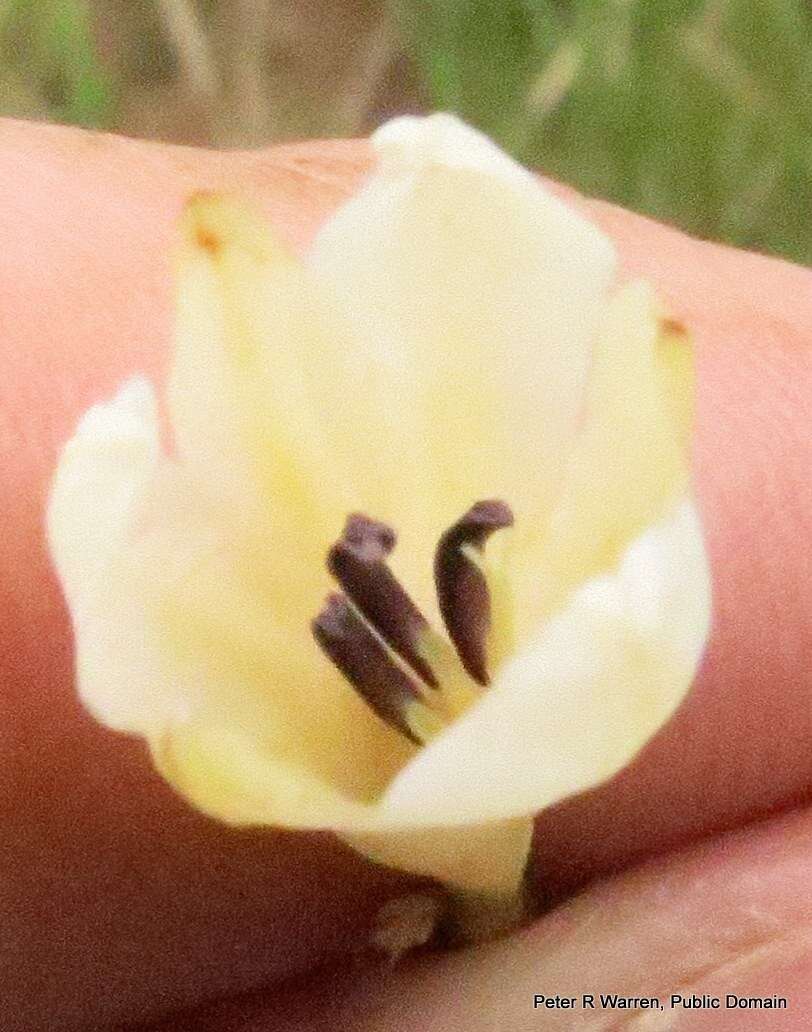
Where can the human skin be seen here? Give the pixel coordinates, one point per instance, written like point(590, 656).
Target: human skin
point(120, 903)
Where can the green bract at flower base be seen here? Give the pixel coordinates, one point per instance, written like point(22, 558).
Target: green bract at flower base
point(424, 560)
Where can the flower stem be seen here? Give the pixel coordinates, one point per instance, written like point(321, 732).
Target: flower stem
point(479, 917)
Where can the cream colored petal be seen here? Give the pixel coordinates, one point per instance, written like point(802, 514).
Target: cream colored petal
point(252, 343)
point(228, 774)
point(629, 465)
point(101, 512)
point(487, 859)
point(580, 701)
point(104, 473)
point(248, 776)
point(476, 295)
point(105, 476)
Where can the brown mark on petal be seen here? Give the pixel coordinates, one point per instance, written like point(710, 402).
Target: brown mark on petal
point(670, 324)
point(364, 661)
point(358, 562)
point(208, 241)
point(462, 590)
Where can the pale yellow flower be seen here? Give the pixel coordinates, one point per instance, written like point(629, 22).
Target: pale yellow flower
point(452, 357)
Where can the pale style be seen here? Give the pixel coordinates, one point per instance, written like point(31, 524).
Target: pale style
point(453, 361)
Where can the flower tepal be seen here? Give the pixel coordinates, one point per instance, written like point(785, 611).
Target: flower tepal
point(423, 558)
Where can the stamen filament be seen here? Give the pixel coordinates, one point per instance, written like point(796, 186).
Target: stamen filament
point(358, 562)
point(365, 662)
point(462, 589)
point(357, 630)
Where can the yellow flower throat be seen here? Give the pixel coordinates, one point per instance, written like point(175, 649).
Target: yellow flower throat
point(383, 644)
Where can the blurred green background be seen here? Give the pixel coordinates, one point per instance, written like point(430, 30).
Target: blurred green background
point(696, 112)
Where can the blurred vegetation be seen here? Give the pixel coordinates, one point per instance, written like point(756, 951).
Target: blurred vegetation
point(696, 111)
